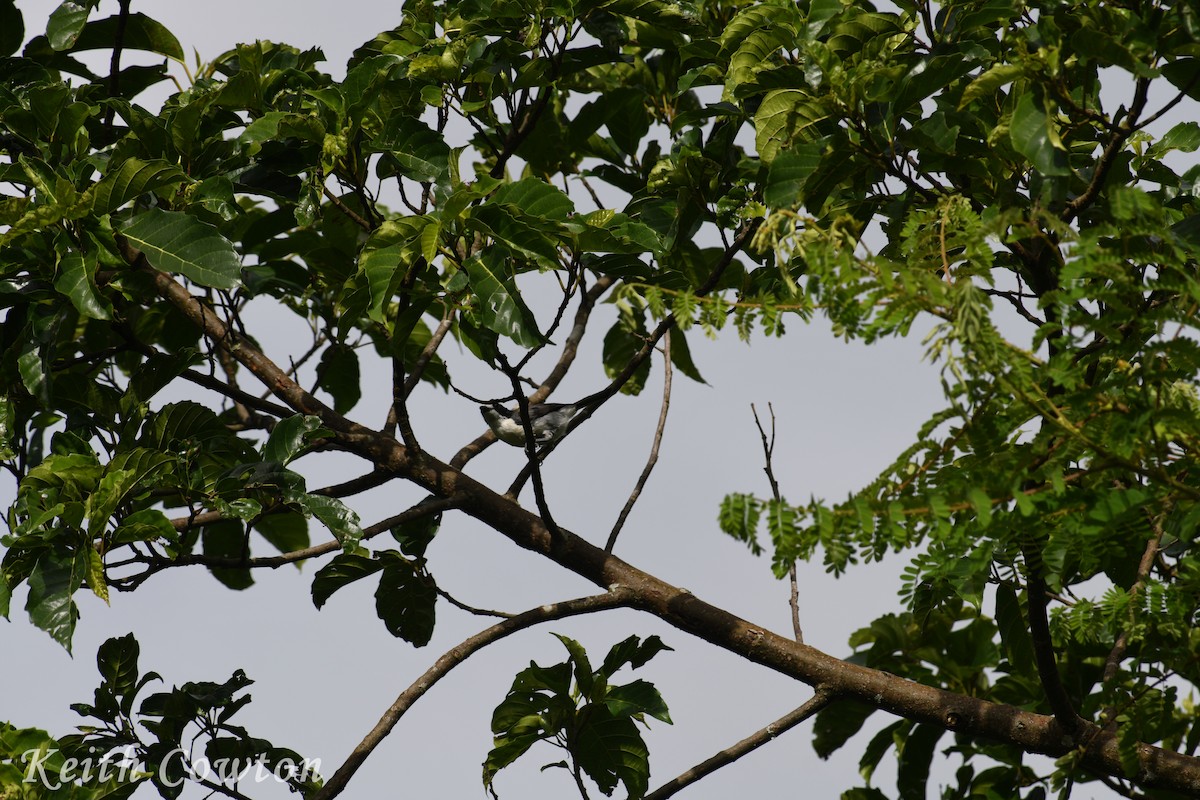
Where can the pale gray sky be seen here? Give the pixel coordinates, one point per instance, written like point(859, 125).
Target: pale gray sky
point(323, 678)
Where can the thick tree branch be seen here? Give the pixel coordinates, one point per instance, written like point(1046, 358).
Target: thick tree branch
point(452, 658)
point(965, 715)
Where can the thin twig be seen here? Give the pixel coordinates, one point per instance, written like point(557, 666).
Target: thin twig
point(653, 459)
point(592, 402)
point(566, 359)
point(451, 659)
point(531, 452)
point(350, 213)
point(428, 352)
point(768, 446)
point(747, 745)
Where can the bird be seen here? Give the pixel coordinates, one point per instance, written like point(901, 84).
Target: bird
point(548, 420)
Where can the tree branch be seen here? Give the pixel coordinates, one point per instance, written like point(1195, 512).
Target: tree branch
point(615, 598)
point(653, 458)
point(963, 714)
point(744, 747)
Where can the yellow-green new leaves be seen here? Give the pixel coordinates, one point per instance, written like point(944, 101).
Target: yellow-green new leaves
point(180, 243)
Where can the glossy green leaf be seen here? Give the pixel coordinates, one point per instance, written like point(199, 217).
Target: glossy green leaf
point(290, 437)
point(500, 305)
point(141, 33)
point(419, 152)
point(77, 280)
point(1034, 136)
point(535, 198)
point(527, 236)
point(66, 23)
point(335, 515)
point(132, 179)
point(178, 243)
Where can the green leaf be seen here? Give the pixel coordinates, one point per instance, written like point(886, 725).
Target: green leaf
point(335, 515)
point(1034, 135)
point(287, 533)
point(52, 584)
point(12, 28)
point(622, 342)
point(580, 664)
point(681, 356)
point(536, 198)
point(66, 23)
point(786, 116)
point(610, 749)
point(123, 474)
point(117, 660)
point(739, 517)
point(289, 438)
point(1014, 633)
point(140, 33)
point(788, 174)
point(500, 306)
point(989, 81)
point(405, 601)
point(415, 535)
point(526, 235)
point(836, 723)
point(178, 243)
point(344, 569)
point(76, 279)
point(420, 152)
point(132, 179)
point(1185, 136)
point(337, 374)
point(916, 754)
point(227, 540)
point(638, 697)
point(876, 748)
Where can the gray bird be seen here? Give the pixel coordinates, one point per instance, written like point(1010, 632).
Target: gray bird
point(548, 420)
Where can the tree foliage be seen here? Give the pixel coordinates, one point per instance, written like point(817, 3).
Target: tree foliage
point(1011, 177)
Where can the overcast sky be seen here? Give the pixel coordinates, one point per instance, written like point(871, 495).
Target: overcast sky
point(323, 678)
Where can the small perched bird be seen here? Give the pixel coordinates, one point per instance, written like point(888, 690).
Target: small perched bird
point(548, 420)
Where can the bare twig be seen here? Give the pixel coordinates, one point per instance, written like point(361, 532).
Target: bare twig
point(594, 401)
point(566, 359)
point(768, 446)
point(531, 452)
point(747, 745)
point(653, 459)
point(451, 659)
point(1109, 155)
point(428, 352)
point(350, 213)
